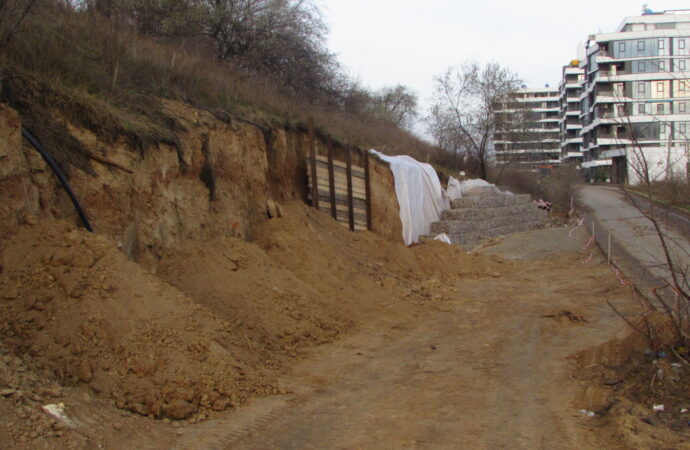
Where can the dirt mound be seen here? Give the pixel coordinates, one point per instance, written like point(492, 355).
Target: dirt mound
point(222, 318)
point(76, 305)
point(240, 283)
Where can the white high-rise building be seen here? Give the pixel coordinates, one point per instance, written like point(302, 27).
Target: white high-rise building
point(636, 99)
point(527, 129)
point(569, 122)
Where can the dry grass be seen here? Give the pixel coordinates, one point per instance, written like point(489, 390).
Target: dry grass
point(557, 187)
point(110, 80)
point(671, 192)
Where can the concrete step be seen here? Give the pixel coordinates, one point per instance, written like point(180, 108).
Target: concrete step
point(461, 226)
point(490, 201)
point(478, 213)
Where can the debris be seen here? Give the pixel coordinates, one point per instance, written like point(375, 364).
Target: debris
point(7, 392)
point(57, 410)
point(658, 408)
point(443, 237)
point(684, 410)
point(587, 413)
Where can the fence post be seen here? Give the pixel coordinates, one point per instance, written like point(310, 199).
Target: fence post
point(312, 155)
point(350, 202)
point(608, 253)
point(367, 188)
point(331, 179)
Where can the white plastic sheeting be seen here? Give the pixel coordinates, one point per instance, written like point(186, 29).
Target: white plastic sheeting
point(443, 237)
point(458, 189)
point(420, 195)
point(454, 190)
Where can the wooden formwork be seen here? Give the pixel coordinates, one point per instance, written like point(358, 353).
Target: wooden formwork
point(339, 187)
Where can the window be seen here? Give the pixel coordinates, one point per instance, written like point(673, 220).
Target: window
point(621, 47)
point(662, 65)
point(681, 64)
point(659, 108)
point(681, 127)
point(640, 46)
point(640, 67)
point(681, 86)
point(660, 87)
point(661, 44)
point(681, 107)
point(640, 108)
point(681, 44)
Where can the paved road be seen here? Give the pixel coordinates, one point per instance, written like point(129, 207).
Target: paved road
point(635, 233)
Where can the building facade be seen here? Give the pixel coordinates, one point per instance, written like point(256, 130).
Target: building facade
point(635, 100)
point(526, 133)
point(570, 90)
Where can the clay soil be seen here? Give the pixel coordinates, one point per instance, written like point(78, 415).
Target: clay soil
point(314, 337)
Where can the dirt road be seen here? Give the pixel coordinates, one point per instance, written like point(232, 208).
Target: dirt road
point(488, 368)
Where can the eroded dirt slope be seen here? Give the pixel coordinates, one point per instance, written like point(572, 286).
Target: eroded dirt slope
point(218, 324)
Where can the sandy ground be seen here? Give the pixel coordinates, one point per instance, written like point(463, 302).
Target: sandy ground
point(366, 344)
point(489, 369)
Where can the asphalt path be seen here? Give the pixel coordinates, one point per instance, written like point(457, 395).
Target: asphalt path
point(629, 228)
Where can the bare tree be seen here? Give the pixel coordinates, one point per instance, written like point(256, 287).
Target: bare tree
point(397, 104)
point(283, 37)
point(461, 117)
point(671, 296)
point(12, 15)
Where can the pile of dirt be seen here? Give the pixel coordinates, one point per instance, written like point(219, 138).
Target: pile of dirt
point(639, 387)
point(220, 319)
point(77, 306)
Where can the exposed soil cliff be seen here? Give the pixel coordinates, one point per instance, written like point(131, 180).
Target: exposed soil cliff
point(222, 179)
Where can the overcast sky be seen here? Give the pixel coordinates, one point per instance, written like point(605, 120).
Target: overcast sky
point(383, 43)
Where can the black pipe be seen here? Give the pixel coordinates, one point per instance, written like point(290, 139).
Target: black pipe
point(60, 176)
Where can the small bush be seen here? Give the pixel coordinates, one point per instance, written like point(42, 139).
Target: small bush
point(556, 186)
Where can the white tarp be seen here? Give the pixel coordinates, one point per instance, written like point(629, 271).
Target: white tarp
point(454, 190)
point(458, 189)
point(420, 195)
point(443, 237)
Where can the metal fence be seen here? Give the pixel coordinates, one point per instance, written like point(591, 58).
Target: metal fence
point(638, 273)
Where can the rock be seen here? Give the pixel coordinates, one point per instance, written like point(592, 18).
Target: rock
point(7, 392)
point(597, 399)
point(11, 293)
point(273, 209)
point(84, 371)
point(221, 404)
point(179, 409)
point(29, 301)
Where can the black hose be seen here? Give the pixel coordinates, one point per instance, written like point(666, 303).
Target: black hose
point(60, 176)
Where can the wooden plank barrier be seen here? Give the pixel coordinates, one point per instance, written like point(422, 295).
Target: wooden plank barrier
point(340, 188)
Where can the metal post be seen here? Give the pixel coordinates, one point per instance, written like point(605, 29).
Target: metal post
point(609, 249)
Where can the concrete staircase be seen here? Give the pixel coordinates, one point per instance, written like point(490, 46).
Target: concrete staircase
point(487, 212)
